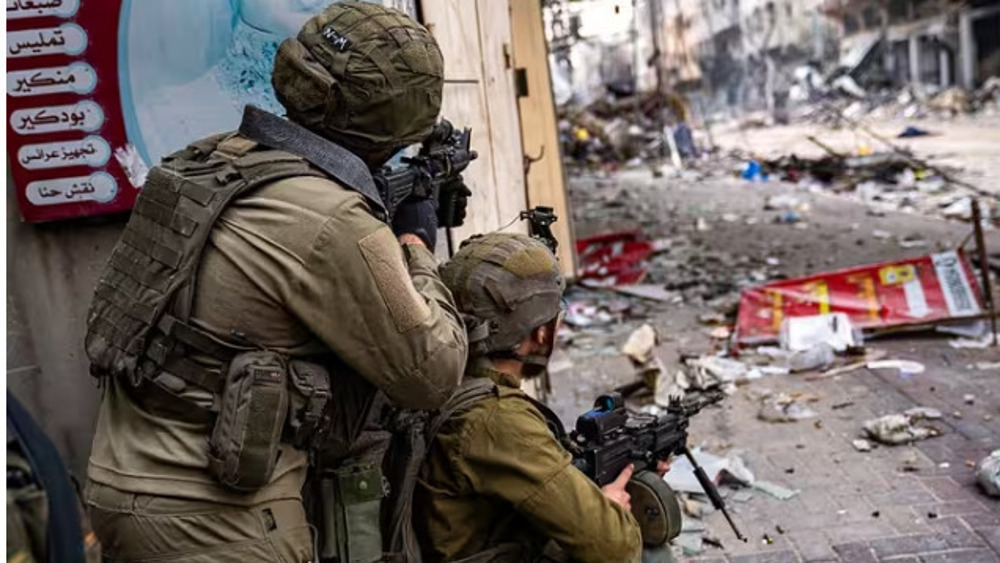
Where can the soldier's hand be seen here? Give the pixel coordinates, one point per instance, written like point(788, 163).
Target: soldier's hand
point(615, 490)
point(418, 218)
point(662, 467)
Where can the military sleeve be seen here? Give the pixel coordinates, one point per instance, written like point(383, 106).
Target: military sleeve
point(381, 309)
point(512, 456)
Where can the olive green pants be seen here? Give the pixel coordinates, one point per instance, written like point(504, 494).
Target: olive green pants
point(135, 527)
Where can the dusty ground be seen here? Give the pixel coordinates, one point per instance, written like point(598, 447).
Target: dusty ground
point(852, 506)
point(971, 143)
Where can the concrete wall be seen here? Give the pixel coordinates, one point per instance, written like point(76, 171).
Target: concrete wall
point(51, 272)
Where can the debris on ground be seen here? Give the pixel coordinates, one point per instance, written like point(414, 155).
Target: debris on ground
point(653, 292)
point(614, 259)
point(979, 343)
point(816, 357)
point(870, 355)
point(912, 131)
point(988, 474)
point(729, 469)
point(803, 333)
point(862, 445)
point(905, 367)
point(899, 295)
point(640, 345)
point(710, 371)
point(894, 429)
point(910, 461)
point(925, 413)
point(690, 544)
point(786, 407)
point(640, 349)
point(712, 318)
point(775, 490)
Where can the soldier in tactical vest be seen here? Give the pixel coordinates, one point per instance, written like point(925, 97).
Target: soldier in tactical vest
point(260, 295)
point(496, 484)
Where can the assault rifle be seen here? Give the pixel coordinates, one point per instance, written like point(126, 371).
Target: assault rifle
point(607, 439)
point(435, 172)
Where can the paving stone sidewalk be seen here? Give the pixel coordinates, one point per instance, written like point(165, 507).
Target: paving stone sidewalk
point(865, 507)
point(903, 503)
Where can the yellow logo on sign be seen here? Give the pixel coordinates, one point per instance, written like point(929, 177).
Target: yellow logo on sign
point(895, 275)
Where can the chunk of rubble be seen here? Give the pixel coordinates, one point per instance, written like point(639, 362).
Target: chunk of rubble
point(862, 445)
point(988, 474)
point(775, 490)
point(894, 429)
point(926, 413)
point(785, 407)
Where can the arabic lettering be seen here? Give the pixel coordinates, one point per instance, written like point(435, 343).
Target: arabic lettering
point(47, 192)
point(84, 115)
point(78, 77)
point(39, 80)
point(79, 152)
point(36, 47)
point(79, 188)
point(97, 187)
point(75, 189)
point(91, 151)
point(28, 158)
point(25, 5)
point(41, 117)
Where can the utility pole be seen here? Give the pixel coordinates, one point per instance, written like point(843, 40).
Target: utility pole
point(656, 28)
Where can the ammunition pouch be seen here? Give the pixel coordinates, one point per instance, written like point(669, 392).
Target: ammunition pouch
point(655, 508)
point(351, 501)
point(244, 444)
point(309, 406)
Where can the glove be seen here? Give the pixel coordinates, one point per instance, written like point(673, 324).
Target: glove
point(451, 213)
point(417, 218)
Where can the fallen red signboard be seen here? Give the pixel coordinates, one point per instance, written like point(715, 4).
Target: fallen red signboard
point(920, 290)
point(614, 259)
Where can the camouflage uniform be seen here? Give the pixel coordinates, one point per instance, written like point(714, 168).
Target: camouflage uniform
point(300, 267)
point(496, 484)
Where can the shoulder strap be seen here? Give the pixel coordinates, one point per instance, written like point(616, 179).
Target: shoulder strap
point(343, 165)
point(469, 393)
point(64, 539)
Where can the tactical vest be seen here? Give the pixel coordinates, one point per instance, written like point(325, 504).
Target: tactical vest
point(139, 322)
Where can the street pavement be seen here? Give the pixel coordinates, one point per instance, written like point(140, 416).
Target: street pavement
point(901, 503)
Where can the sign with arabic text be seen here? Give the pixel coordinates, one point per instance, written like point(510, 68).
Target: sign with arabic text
point(100, 90)
point(921, 290)
point(64, 117)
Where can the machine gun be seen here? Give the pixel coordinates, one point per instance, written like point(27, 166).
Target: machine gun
point(607, 439)
point(435, 172)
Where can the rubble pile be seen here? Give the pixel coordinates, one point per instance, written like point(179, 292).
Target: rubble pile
point(888, 181)
point(626, 130)
point(912, 101)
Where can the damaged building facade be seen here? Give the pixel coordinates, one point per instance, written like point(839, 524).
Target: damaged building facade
point(727, 56)
point(747, 51)
point(730, 57)
point(938, 43)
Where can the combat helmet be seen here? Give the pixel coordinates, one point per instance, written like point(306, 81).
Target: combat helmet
point(364, 75)
point(505, 285)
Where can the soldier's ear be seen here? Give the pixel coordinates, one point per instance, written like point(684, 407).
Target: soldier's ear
point(540, 335)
